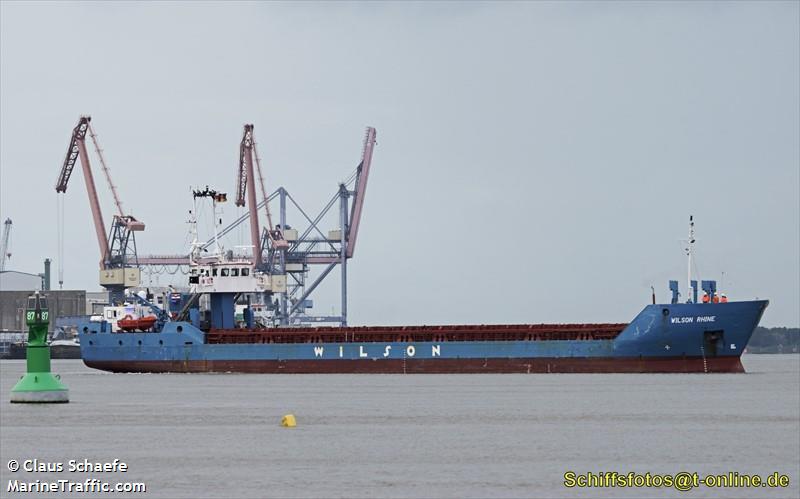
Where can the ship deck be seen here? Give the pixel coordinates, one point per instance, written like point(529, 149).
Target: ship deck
point(367, 334)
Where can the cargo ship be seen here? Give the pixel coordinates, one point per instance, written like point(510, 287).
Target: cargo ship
point(673, 337)
point(662, 338)
point(692, 336)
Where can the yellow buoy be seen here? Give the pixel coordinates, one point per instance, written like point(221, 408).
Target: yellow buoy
point(288, 421)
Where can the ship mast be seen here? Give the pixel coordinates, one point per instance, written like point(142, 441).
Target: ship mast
point(216, 197)
point(217, 247)
point(689, 250)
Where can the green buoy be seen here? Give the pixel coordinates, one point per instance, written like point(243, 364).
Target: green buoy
point(38, 385)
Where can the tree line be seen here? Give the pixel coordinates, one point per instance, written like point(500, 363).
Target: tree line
point(775, 340)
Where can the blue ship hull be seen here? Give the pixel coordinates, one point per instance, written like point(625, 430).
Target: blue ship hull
point(662, 338)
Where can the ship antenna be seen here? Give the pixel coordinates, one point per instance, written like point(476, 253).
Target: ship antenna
point(689, 251)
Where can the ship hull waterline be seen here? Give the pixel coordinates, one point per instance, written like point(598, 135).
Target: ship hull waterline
point(432, 366)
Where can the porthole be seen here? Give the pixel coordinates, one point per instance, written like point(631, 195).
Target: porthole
point(180, 329)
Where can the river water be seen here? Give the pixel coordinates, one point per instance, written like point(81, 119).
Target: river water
point(503, 435)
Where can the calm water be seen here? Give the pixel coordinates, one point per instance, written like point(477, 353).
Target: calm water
point(410, 436)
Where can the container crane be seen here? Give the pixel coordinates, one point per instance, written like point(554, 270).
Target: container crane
point(6, 245)
point(118, 260)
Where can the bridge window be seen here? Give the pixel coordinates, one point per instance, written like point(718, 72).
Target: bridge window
point(234, 272)
point(214, 272)
point(245, 272)
point(224, 272)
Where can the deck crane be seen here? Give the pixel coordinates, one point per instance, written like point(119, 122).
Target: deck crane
point(118, 261)
point(6, 244)
point(248, 162)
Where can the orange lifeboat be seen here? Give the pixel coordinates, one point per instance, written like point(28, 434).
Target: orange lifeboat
point(128, 323)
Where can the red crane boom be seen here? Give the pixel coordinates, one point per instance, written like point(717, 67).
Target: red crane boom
point(275, 236)
point(360, 189)
point(243, 186)
point(77, 149)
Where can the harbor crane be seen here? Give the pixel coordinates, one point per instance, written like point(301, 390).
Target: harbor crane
point(118, 260)
point(6, 245)
point(248, 162)
point(313, 247)
point(287, 253)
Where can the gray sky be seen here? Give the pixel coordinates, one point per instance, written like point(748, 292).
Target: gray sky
point(536, 162)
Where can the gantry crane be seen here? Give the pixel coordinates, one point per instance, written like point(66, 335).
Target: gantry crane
point(6, 244)
point(118, 260)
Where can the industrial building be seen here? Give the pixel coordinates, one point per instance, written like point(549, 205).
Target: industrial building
point(61, 303)
point(16, 286)
point(12, 280)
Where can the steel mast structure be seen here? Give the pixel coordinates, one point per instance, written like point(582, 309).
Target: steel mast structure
point(118, 265)
point(287, 253)
point(5, 247)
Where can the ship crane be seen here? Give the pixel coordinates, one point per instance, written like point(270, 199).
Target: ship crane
point(6, 245)
point(118, 260)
